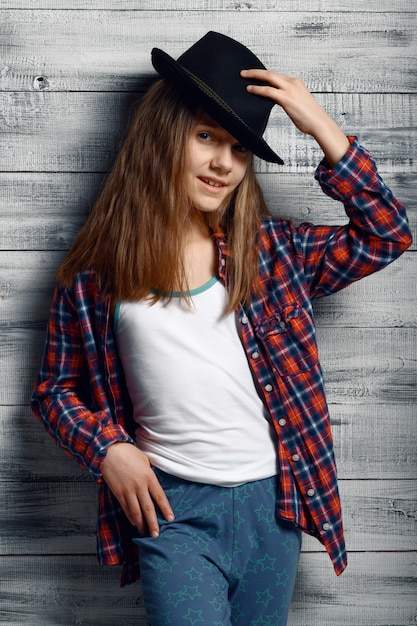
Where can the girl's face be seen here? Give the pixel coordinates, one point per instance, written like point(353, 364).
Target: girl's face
point(216, 164)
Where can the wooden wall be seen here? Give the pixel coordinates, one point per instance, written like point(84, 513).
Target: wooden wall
point(69, 74)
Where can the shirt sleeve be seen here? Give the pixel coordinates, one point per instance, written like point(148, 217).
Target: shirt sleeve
point(376, 234)
point(62, 400)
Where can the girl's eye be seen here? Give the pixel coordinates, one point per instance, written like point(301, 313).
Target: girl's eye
point(205, 136)
point(240, 148)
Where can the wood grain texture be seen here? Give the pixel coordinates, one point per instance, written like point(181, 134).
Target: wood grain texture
point(375, 366)
point(375, 440)
point(28, 454)
point(108, 50)
point(369, 365)
point(372, 441)
point(44, 211)
point(81, 132)
point(372, 6)
point(385, 299)
point(59, 518)
point(360, 365)
point(376, 590)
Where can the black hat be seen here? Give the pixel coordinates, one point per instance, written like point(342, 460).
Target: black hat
point(208, 74)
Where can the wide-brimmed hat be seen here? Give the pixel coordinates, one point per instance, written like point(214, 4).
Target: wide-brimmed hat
point(208, 74)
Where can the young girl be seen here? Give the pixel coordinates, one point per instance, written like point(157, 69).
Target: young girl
point(181, 364)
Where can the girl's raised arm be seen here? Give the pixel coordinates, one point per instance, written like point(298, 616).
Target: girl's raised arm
point(303, 109)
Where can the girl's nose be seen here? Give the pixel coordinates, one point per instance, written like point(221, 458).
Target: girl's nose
point(223, 158)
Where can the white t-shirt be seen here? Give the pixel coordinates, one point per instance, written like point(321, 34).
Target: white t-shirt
point(198, 412)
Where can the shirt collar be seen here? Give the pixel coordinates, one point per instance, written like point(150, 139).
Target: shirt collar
point(222, 252)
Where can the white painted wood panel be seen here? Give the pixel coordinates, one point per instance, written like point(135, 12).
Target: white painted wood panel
point(80, 132)
point(361, 365)
point(59, 517)
point(386, 299)
point(371, 442)
point(108, 50)
point(44, 211)
point(376, 590)
point(321, 6)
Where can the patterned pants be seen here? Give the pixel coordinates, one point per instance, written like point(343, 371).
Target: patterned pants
point(225, 560)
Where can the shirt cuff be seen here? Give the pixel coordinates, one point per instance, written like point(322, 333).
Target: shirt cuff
point(355, 171)
point(114, 433)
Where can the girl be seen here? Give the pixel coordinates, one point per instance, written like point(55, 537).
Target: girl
point(181, 365)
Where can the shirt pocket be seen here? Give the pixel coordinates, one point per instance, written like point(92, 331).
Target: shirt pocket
point(289, 337)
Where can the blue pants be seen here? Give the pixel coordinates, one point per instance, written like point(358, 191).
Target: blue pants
point(224, 560)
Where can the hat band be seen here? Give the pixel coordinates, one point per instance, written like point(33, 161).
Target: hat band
point(215, 97)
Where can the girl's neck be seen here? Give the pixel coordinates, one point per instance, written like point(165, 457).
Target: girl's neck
point(199, 255)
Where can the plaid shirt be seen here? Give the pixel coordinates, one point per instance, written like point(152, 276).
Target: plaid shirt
point(80, 394)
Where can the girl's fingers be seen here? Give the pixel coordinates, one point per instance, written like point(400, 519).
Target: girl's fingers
point(140, 508)
point(133, 511)
point(275, 82)
point(265, 91)
point(266, 75)
point(160, 499)
point(149, 514)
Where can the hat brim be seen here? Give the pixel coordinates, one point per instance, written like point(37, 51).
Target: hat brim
point(202, 96)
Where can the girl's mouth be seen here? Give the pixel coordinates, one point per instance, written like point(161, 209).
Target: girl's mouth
point(212, 183)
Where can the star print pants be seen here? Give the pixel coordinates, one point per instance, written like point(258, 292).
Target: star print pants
point(225, 559)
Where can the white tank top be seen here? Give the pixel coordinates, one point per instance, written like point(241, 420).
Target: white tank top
point(198, 412)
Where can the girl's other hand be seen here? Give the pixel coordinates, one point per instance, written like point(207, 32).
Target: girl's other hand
point(129, 475)
point(302, 108)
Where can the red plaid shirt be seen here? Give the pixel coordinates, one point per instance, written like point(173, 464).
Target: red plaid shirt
point(80, 395)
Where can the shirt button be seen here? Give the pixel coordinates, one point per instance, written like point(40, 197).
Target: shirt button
point(282, 422)
point(310, 493)
point(255, 355)
point(326, 526)
point(283, 324)
point(223, 262)
point(295, 457)
point(268, 387)
point(244, 320)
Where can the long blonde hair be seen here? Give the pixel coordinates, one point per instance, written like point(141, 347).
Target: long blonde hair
point(134, 235)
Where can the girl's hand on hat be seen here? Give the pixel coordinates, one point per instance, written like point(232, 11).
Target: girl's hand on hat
point(302, 108)
point(128, 473)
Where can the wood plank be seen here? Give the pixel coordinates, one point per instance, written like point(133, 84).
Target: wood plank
point(81, 132)
point(59, 518)
point(52, 518)
point(44, 211)
point(374, 6)
point(28, 454)
point(376, 589)
point(26, 287)
point(386, 299)
point(49, 590)
point(375, 440)
point(298, 197)
point(19, 352)
point(361, 366)
point(361, 434)
point(378, 515)
point(106, 50)
point(374, 366)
